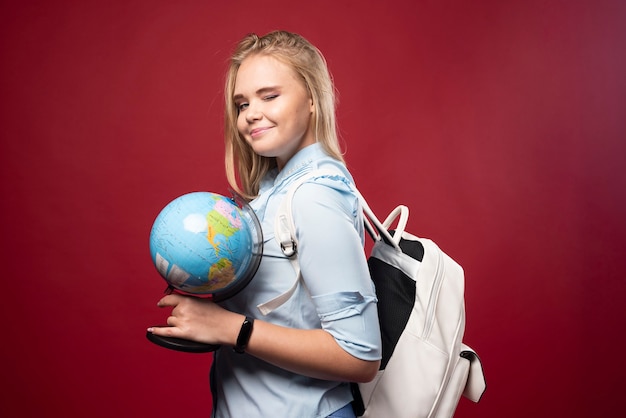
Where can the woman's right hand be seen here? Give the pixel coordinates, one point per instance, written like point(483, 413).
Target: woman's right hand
point(198, 320)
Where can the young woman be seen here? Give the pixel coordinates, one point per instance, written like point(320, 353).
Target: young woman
point(295, 361)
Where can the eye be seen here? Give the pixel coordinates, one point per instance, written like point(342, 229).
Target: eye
point(270, 97)
point(241, 106)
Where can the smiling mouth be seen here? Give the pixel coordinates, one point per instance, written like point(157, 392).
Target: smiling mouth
point(259, 131)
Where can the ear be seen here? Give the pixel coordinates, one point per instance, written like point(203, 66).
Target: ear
point(312, 105)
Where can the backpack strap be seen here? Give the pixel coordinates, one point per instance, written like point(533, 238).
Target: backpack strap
point(285, 234)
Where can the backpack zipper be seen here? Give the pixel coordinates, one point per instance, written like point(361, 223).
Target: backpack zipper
point(434, 296)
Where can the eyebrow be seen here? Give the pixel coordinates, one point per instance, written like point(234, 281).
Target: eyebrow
point(259, 92)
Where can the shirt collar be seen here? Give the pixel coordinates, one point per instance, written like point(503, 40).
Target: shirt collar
point(300, 161)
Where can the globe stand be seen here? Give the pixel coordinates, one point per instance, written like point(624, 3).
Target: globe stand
point(180, 344)
point(189, 346)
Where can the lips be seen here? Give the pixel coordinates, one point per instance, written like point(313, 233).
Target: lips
point(256, 132)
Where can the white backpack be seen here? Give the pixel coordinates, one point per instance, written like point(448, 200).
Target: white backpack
point(425, 366)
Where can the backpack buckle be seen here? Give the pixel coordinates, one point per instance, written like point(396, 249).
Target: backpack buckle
point(289, 249)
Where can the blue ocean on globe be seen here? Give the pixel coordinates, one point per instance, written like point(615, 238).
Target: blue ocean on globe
point(202, 243)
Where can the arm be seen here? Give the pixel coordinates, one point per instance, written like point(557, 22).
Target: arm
point(312, 353)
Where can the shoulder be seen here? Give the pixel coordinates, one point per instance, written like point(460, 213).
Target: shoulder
point(327, 187)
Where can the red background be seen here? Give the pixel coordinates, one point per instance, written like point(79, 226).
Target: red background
point(500, 123)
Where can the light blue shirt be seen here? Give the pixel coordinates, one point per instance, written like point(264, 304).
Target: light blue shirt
point(338, 295)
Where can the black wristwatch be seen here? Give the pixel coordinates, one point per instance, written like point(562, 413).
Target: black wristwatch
point(244, 335)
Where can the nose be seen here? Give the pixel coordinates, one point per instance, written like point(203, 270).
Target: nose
point(253, 112)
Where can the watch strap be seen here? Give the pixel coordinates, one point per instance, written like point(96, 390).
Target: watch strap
point(244, 335)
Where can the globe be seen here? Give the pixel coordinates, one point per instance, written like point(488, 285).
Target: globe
point(204, 243)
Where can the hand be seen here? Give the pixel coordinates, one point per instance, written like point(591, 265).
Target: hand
point(199, 320)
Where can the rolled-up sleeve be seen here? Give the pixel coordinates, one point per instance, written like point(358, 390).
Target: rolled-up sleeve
point(333, 264)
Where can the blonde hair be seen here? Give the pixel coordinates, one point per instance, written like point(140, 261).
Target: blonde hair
point(242, 163)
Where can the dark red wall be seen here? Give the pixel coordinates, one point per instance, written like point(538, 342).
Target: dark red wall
point(500, 123)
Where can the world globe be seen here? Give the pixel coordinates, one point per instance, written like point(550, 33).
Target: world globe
point(204, 243)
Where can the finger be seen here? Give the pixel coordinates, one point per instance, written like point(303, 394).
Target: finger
point(169, 300)
point(164, 331)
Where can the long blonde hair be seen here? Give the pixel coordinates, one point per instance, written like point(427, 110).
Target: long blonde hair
point(242, 163)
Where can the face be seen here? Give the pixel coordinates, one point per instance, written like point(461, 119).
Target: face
point(275, 109)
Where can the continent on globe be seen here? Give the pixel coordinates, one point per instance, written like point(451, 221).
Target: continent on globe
point(220, 221)
point(221, 274)
point(175, 276)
